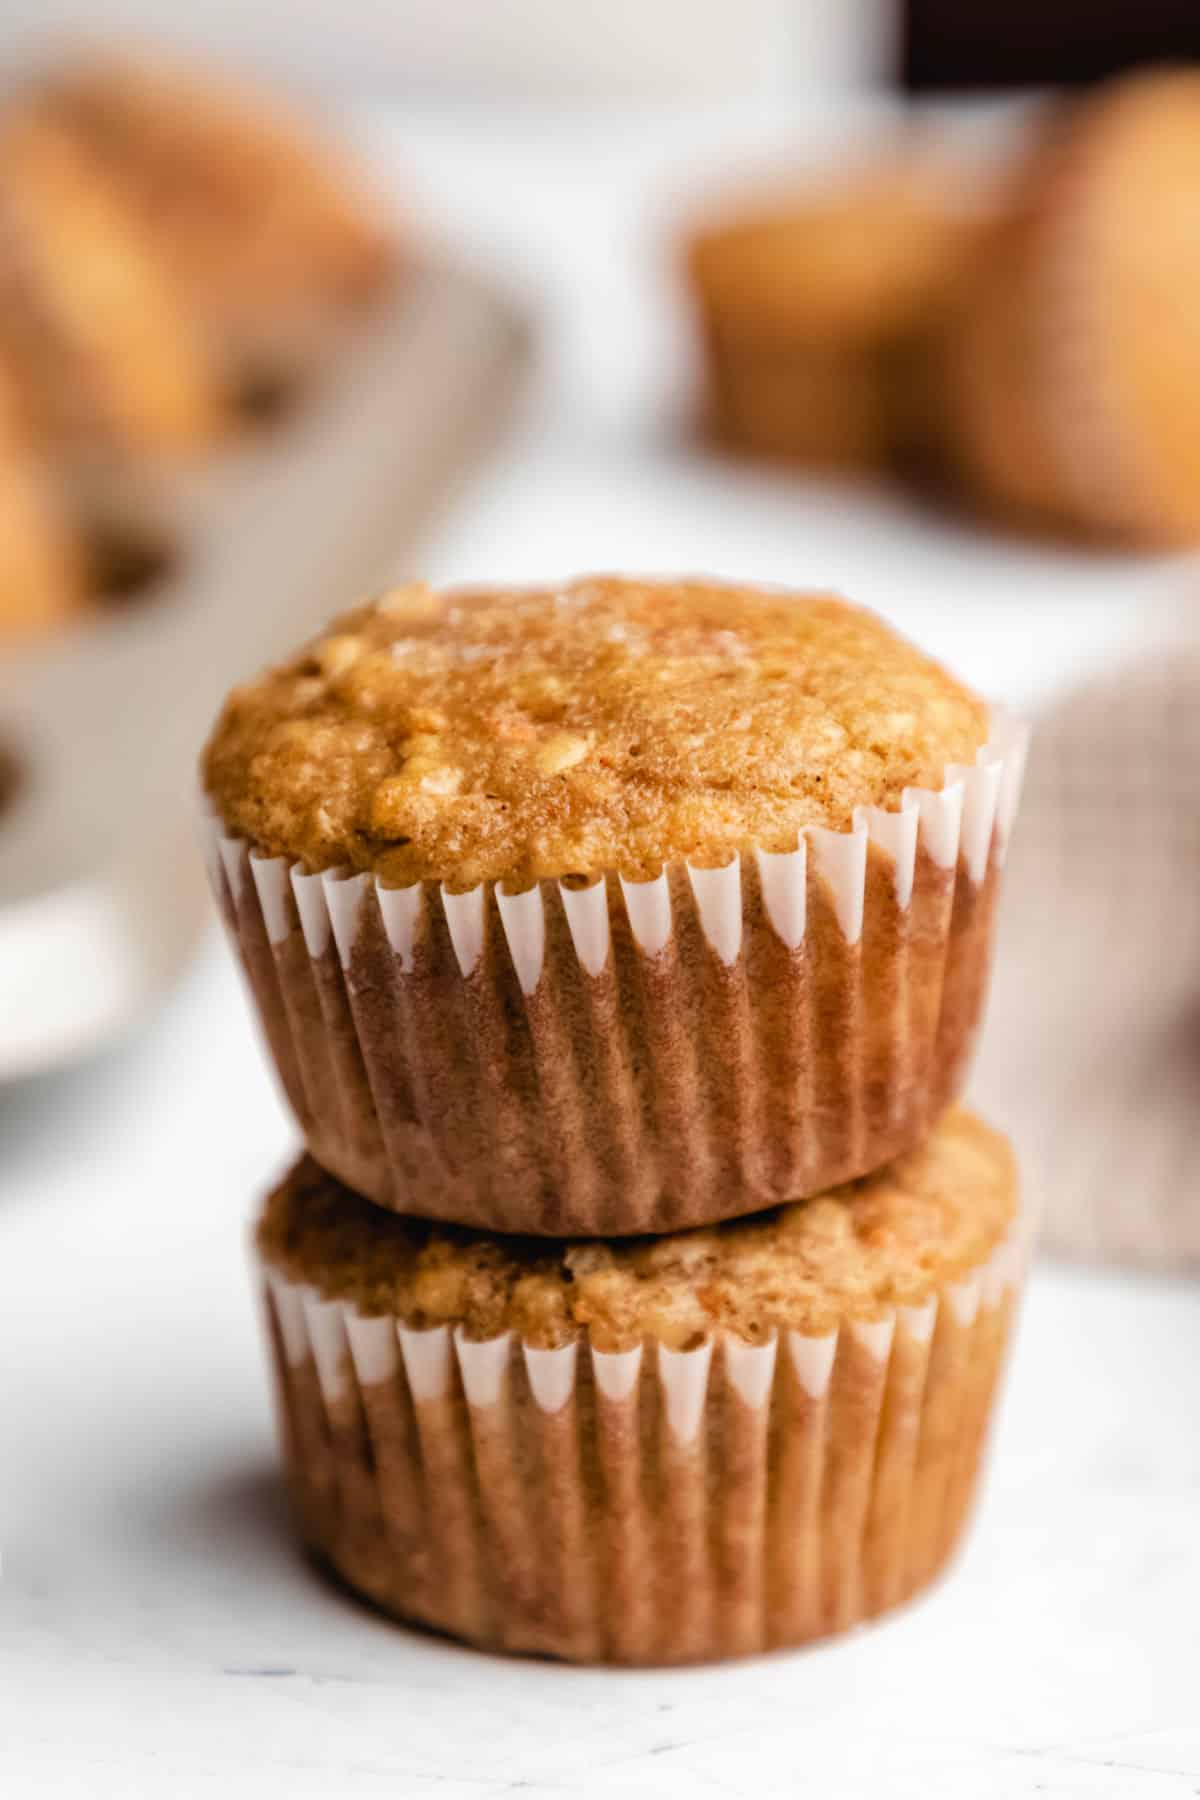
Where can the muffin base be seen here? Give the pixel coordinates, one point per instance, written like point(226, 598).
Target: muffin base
point(643, 1507)
point(634, 1057)
point(809, 403)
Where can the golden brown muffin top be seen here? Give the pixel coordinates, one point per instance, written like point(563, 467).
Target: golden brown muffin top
point(88, 314)
point(891, 1239)
point(609, 723)
point(854, 259)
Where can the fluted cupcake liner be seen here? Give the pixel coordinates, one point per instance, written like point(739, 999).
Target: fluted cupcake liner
point(634, 1057)
point(646, 1505)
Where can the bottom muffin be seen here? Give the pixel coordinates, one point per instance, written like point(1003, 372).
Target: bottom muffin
point(654, 1450)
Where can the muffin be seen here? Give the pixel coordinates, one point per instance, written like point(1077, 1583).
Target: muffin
point(814, 308)
point(273, 240)
point(1072, 366)
point(618, 907)
point(109, 364)
point(41, 570)
point(42, 575)
point(694, 1447)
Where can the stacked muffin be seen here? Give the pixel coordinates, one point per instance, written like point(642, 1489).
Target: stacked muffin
point(620, 948)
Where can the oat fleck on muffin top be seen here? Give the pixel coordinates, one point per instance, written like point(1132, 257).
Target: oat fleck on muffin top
point(890, 1239)
point(523, 735)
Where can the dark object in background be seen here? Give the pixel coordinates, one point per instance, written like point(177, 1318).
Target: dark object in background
point(1015, 43)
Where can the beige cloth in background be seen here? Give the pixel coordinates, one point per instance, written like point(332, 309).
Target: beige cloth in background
point(1092, 1052)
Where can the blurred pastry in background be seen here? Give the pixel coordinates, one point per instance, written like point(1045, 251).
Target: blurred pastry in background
point(1072, 361)
point(175, 254)
point(42, 581)
point(273, 238)
point(108, 359)
point(109, 386)
point(815, 307)
point(42, 577)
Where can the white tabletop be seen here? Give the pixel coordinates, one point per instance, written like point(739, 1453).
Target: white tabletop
point(159, 1633)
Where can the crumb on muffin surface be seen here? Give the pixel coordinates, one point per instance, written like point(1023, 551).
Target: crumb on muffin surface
point(529, 734)
point(891, 1238)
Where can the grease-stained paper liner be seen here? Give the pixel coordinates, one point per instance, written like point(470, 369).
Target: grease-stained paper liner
point(634, 1056)
point(647, 1505)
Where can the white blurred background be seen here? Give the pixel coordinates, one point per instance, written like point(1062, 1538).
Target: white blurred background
point(506, 47)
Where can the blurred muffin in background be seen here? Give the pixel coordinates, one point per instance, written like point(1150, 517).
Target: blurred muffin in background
point(272, 237)
point(1071, 367)
point(110, 387)
point(815, 308)
point(107, 358)
point(41, 564)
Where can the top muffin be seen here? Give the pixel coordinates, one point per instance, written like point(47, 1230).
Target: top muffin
point(519, 736)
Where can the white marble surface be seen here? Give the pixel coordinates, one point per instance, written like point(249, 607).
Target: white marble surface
point(159, 1635)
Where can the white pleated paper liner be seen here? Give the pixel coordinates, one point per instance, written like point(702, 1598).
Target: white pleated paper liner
point(647, 1505)
point(628, 1056)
